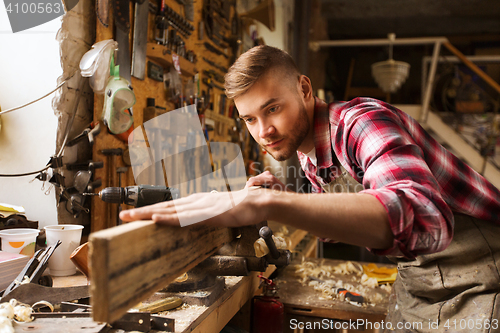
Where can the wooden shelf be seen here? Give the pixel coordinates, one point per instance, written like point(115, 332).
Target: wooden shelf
point(219, 117)
point(160, 54)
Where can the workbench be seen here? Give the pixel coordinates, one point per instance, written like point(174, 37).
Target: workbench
point(302, 303)
point(306, 304)
point(237, 292)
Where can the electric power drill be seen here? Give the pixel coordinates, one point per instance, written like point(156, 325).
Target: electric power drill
point(137, 196)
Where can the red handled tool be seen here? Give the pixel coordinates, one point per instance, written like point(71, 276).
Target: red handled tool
point(348, 295)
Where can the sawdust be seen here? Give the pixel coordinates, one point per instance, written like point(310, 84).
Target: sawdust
point(184, 315)
point(231, 281)
point(348, 275)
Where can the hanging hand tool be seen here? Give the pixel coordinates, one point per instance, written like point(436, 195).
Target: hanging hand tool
point(211, 63)
point(178, 22)
point(210, 83)
point(122, 22)
point(89, 133)
point(76, 201)
point(102, 11)
point(215, 50)
point(119, 171)
point(88, 165)
point(213, 75)
point(111, 156)
point(108, 153)
point(348, 295)
point(139, 45)
point(189, 10)
point(161, 28)
point(137, 196)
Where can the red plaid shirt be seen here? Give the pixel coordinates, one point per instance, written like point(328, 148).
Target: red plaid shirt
point(420, 183)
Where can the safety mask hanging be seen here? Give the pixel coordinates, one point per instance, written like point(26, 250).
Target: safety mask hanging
point(118, 100)
point(98, 64)
point(95, 64)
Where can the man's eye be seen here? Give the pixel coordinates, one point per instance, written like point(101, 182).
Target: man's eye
point(273, 109)
point(248, 120)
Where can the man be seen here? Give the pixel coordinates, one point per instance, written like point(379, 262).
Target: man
point(420, 205)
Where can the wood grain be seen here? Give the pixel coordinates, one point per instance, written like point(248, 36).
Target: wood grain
point(131, 262)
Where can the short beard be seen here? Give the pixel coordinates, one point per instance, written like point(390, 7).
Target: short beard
point(300, 130)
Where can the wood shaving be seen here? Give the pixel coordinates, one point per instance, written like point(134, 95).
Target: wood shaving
point(353, 280)
point(369, 281)
point(386, 287)
point(13, 311)
point(283, 233)
point(182, 278)
point(261, 248)
point(6, 310)
point(22, 312)
point(6, 325)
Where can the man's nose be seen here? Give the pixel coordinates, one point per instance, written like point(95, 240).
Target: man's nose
point(266, 130)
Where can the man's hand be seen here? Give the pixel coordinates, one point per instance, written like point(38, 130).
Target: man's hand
point(222, 209)
point(267, 179)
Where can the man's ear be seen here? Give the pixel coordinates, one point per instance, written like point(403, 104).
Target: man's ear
point(305, 87)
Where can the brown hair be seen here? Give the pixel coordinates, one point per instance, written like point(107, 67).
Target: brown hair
point(253, 64)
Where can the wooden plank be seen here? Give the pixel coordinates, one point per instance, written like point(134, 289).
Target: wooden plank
point(472, 66)
point(311, 248)
point(297, 237)
point(132, 261)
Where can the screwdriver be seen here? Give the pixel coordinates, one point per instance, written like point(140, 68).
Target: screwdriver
point(137, 196)
point(348, 295)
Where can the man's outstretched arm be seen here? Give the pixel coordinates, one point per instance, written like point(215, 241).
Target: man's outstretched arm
point(358, 219)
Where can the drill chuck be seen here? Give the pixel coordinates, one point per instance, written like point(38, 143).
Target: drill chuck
point(112, 195)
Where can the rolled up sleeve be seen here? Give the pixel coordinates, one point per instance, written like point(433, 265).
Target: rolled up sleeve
point(393, 169)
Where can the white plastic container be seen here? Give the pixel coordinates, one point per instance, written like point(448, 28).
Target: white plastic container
point(19, 240)
point(70, 235)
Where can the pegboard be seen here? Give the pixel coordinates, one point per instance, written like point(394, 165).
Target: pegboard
point(215, 26)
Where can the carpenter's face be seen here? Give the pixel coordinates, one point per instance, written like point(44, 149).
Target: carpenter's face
point(275, 115)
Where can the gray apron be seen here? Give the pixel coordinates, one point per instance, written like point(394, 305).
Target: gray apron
point(455, 290)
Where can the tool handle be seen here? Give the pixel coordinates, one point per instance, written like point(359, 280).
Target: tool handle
point(351, 296)
point(267, 234)
point(79, 257)
point(151, 194)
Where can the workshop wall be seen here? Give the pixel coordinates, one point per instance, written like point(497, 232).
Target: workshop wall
point(212, 56)
point(29, 68)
